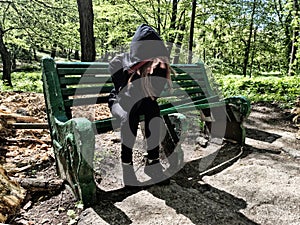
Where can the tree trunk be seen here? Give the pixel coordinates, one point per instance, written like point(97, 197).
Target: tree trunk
point(13, 62)
point(53, 50)
point(294, 47)
point(87, 39)
point(179, 38)
point(248, 44)
point(173, 24)
point(291, 71)
point(35, 55)
point(6, 60)
point(76, 55)
point(191, 41)
point(253, 51)
point(158, 18)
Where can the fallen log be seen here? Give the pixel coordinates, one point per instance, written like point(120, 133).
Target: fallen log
point(30, 125)
point(18, 118)
point(36, 184)
point(17, 140)
point(11, 196)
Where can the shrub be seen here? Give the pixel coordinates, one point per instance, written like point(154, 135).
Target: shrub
point(261, 88)
point(25, 81)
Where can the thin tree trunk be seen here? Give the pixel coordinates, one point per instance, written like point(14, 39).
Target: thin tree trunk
point(248, 44)
point(87, 39)
point(53, 50)
point(294, 47)
point(6, 60)
point(179, 43)
point(191, 41)
point(286, 26)
point(13, 62)
point(291, 72)
point(76, 55)
point(204, 49)
point(173, 24)
point(158, 18)
point(35, 55)
point(253, 51)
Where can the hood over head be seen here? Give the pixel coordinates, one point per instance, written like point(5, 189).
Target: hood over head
point(146, 44)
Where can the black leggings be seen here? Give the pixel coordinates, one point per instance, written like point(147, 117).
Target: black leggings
point(129, 125)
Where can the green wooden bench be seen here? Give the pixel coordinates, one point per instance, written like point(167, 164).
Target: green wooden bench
point(68, 84)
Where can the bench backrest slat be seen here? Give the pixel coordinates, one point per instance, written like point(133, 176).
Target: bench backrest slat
point(85, 90)
point(86, 101)
point(73, 80)
point(79, 71)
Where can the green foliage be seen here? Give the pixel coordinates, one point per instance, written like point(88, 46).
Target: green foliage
point(25, 81)
point(222, 29)
point(261, 88)
point(30, 26)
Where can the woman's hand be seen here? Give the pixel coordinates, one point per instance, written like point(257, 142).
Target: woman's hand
point(157, 62)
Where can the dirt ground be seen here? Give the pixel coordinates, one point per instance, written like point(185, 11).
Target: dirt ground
point(260, 187)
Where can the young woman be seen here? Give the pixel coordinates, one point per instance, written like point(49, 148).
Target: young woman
point(139, 78)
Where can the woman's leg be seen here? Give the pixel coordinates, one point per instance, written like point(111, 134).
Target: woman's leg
point(128, 135)
point(152, 127)
point(128, 125)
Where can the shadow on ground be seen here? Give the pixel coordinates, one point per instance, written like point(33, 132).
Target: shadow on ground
point(187, 195)
point(262, 135)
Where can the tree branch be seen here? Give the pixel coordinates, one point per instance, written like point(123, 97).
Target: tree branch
point(13, 28)
point(48, 6)
point(135, 9)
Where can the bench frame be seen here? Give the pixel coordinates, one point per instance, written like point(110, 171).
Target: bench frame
point(73, 139)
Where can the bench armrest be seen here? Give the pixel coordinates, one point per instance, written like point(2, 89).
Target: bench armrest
point(241, 103)
point(238, 109)
point(74, 146)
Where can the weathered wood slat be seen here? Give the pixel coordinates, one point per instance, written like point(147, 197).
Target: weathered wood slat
point(81, 71)
point(30, 125)
point(102, 79)
point(85, 80)
point(86, 90)
point(186, 76)
point(81, 64)
point(85, 101)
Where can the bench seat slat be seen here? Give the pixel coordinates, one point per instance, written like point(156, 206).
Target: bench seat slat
point(105, 125)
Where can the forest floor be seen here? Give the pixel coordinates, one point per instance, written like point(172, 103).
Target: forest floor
point(261, 187)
